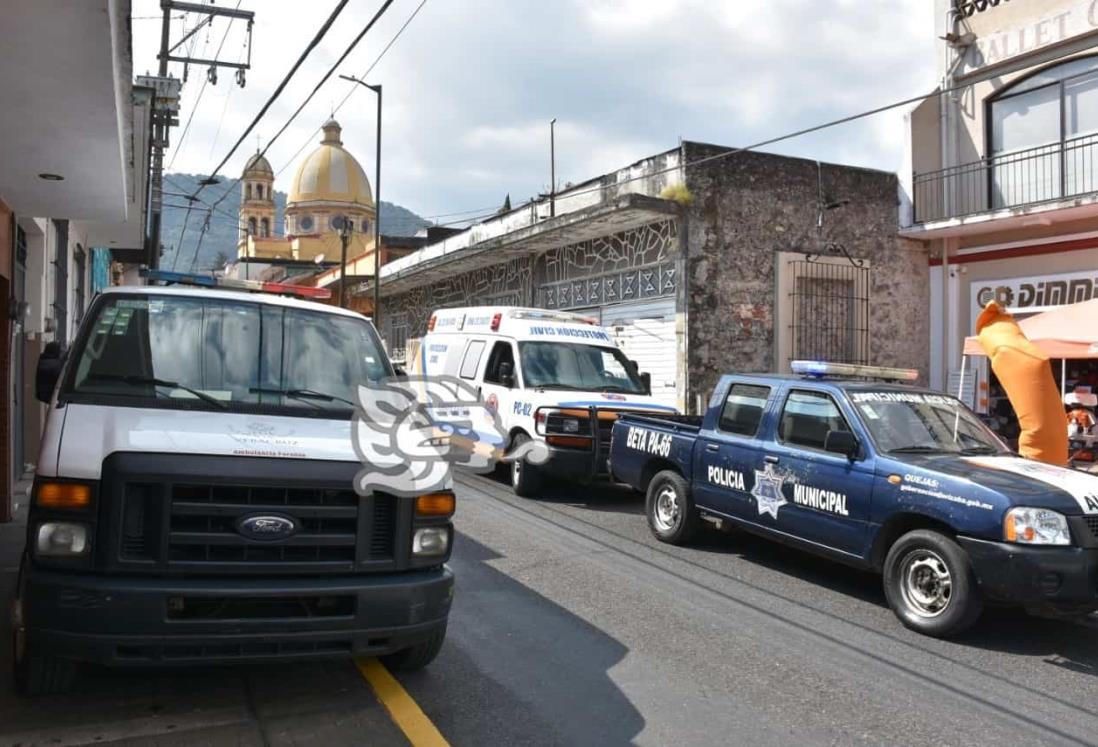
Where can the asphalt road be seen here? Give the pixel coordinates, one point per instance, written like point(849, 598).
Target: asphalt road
point(572, 625)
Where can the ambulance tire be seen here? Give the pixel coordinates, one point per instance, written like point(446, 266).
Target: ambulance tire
point(418, 656)
point(930, 585)
point(34, 673)
point(670, 510)
point(526, 478)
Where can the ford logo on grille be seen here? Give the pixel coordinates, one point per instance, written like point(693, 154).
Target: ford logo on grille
point(266, 527)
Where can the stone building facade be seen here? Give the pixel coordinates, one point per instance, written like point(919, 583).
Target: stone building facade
point(733, 264)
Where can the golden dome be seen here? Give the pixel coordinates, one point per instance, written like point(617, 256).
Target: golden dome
point(330, 174)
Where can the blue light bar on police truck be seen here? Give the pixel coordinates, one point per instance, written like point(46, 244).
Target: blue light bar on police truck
point(849, 370)
point(209, 281)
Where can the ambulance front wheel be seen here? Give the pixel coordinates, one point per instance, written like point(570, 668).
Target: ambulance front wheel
point(930, 584)
point(526, 478)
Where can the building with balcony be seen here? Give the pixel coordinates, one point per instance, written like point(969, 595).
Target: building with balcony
point(1003, 184)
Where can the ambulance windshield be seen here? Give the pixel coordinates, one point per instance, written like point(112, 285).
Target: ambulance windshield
point(214, 353)
point(576, 366)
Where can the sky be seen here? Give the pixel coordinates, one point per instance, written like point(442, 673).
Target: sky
point(471, 85)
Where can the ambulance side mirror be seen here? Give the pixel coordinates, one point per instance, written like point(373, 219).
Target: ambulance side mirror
point(50, 363)
point(646, 382)
point(841, 442)
point(399, 371)
point(507, 374)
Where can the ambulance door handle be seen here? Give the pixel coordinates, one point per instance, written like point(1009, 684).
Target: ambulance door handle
point(769, 459)
point(712, 447)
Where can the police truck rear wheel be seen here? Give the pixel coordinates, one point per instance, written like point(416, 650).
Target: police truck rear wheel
point(929, 584)
point(526, 478)
point(670, 510)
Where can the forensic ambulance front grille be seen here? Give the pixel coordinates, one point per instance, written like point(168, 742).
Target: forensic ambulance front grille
point(203, 527)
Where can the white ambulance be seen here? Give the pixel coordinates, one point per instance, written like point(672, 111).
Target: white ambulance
point(551, 375)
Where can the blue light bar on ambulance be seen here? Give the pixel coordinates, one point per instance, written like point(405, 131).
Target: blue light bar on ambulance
point(209, 281)
point(849, 370)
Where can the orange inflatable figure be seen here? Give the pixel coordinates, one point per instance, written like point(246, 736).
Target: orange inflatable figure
point(1024, 372)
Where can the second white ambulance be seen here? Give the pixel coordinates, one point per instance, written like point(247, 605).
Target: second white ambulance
point(551, 375)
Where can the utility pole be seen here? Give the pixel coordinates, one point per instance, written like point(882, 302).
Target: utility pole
point(165, 109)
point(552, 167)
point(376, 315)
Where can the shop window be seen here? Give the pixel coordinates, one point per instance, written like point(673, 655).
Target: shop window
point(1044, 135)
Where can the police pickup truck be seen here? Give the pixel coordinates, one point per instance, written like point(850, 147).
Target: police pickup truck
point(880, 475)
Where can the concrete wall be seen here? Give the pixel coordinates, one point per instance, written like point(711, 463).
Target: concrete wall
point(748, 208)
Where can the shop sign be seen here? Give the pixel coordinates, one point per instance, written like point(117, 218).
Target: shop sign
point(1032, 294)
point(996, 46)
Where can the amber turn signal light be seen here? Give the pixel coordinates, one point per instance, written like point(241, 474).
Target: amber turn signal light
point(574, 442)
point(436, 504)
point(62, 495)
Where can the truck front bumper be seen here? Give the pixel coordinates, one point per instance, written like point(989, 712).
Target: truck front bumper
point(137, 621)
point(1061, 580)
point(575, 465)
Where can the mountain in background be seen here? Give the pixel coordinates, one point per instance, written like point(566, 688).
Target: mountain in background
point(219, 244)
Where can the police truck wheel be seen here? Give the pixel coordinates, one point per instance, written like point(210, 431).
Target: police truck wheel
point(526, 478)
point(929, 584)
point(417, 656)
point(670, 509)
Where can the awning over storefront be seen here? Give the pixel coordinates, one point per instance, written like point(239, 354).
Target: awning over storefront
point(1069, 332)
point(442, 260)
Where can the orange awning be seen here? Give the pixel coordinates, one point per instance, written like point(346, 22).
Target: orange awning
point(1066, 332)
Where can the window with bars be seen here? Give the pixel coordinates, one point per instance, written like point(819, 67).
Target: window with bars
point(830, 320)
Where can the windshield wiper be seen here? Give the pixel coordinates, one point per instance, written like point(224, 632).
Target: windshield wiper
point(918, 449)
point(303, 394)
point(557, 386)
point(135, 379)
point(980, 450)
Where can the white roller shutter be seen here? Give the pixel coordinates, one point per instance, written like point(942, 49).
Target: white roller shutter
point(645, 332)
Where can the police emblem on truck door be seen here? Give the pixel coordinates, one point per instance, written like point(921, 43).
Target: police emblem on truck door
point(768, 491)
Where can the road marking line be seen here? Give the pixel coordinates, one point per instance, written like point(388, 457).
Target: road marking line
point(404, 711)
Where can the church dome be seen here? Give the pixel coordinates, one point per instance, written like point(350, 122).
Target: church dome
point(330, 174)
point(258, 165)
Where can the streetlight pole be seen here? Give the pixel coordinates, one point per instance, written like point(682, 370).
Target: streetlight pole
point(377, 203)
point(552, 167)
point(344, 239)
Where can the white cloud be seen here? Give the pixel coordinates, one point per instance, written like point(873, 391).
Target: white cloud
point(471, 86)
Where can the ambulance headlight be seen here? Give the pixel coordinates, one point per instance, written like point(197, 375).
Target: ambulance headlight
point(430, 541)
point(60, 539)
point(1036, 526)
point(570, 425)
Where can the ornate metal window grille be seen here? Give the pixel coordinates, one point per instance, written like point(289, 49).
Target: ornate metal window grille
point(830, 312)
point(969, 8)
point(636, 284)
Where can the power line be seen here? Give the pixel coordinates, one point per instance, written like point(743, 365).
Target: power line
point(225, 108)
point(355, 87)
point(281, 86)
point(350, 48)
point(182, 231)
point(198, 100)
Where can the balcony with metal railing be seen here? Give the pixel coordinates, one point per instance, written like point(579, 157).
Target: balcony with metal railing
point(1043, 175)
